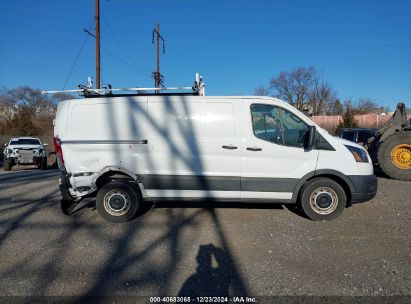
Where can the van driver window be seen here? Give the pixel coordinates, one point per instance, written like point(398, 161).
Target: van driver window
point(278, 126)
point(266, 123)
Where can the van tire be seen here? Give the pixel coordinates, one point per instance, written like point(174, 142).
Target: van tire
point(322, 199)
point(8, 163)
point(43, 165)
point(117, 201)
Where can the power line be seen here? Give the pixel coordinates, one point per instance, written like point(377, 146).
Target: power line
point(75, 61)
point(83, 44)
point(131, 61)
point(119, 58)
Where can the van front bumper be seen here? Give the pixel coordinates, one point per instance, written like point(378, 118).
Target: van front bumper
point(365, 188)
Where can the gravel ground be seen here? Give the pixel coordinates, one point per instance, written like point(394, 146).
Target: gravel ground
point(173, 249)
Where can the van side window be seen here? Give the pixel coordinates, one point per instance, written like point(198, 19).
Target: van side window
point(267, 123)
point(295, 130)
point(278, 126)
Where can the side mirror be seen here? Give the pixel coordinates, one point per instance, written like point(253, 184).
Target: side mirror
point(45, 145)
point(5, 145)
point(311, 137)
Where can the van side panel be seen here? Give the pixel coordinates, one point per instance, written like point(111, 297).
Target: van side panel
point(186, 151)
point(105, 133)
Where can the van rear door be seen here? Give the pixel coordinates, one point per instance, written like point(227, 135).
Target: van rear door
point(273, 156)
point(106, 132)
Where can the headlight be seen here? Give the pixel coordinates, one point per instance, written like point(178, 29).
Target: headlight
point(360, 155)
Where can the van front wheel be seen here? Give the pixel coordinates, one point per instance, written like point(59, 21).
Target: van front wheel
point(323, 199)
point(117, 201)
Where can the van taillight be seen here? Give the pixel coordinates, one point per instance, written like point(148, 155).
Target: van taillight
point(59, 152)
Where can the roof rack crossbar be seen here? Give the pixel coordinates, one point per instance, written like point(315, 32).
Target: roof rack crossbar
point(198, 88)
point(99, 91)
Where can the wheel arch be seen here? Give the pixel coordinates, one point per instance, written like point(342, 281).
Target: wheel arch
point(121, 174)
point(336, 176)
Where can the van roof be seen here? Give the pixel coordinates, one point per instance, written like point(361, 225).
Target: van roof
point(180, 95)
point(268, 98)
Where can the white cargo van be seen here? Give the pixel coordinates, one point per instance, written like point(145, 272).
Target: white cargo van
point(128, 149)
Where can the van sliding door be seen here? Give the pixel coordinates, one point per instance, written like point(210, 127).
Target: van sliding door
point(193, 148)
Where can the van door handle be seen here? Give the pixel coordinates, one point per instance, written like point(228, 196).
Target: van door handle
point(254, 149)
point(142, 142)
point(229, 147)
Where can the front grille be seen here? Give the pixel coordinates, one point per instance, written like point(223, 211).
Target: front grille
point(26, 156)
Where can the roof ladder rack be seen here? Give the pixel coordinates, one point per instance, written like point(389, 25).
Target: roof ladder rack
point(87, 91)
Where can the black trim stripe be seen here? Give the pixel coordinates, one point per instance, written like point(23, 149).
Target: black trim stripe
point(193, 182)
point(235, 201)
point(103, 142)
point(268, 184)
point(219, 183)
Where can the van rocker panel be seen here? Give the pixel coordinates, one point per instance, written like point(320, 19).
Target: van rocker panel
point(220, 183)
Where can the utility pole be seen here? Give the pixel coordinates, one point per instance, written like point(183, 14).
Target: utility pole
point(158, 78)
point(97, 17)
point(158, 55)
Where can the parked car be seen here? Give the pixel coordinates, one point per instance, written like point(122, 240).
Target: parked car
point(357, 135)
point(25, 151)
point(160, 147)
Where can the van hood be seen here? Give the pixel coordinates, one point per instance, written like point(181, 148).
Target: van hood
point(340, 140)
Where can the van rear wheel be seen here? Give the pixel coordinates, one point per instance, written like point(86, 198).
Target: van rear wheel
point(117, 201)
point(323, 199)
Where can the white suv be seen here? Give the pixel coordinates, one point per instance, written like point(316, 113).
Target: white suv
point(25, 151)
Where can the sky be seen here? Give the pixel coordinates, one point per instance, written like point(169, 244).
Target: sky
point(362, 48)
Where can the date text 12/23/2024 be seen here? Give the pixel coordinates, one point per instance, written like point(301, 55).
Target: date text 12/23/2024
point(203, 299)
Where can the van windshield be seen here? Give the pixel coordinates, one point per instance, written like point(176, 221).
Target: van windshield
point(25, 141)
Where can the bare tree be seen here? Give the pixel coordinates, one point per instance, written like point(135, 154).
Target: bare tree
point(304, 89)
point(335, 107)
point(261, 91)
point(294, 86)
point(27, 97)
point(25, 111)
point(321, 96)
point(7, 105)
point(365, 105)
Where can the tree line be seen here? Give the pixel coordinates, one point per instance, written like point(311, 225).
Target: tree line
point(24, 111)
point(305, 89)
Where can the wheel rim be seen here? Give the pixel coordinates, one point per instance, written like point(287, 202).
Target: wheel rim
point(117, 202)
point(401, 156)
point(324, 200)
